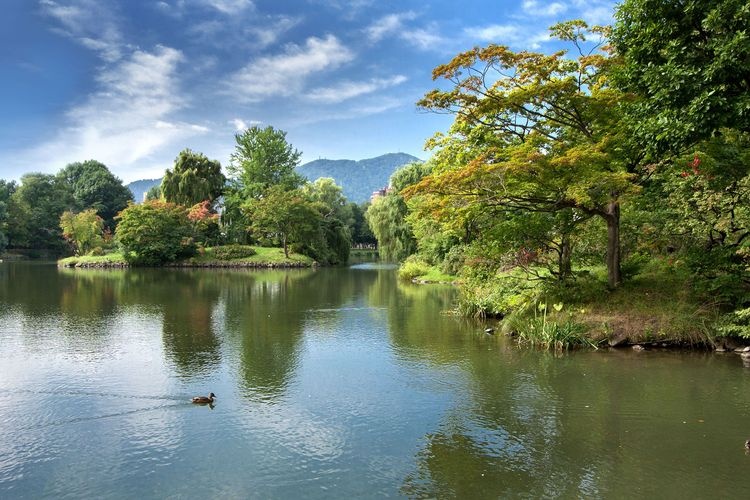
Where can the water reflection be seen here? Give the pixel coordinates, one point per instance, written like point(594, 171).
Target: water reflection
point(336, 382)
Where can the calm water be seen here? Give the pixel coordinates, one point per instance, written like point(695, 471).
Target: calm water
point(336, 383)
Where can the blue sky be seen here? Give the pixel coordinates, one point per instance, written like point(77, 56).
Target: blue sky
point(133, 82)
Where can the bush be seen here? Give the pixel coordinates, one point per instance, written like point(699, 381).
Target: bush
point(230, 252)
point(413, 268)
point(155, 232)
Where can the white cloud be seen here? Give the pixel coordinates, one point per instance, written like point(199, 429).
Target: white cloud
point(396, 25)
point(229, 7)
point(348, 89)
point(91, 23)
point(285, 74)
point(388, 25)
point(508, 34)
point(546, 9)
point(269, 32)
point(239, 124)
point(128, 118)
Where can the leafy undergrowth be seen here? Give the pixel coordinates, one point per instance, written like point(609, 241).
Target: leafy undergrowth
point(657, 305)
point(420, 271)
point(83, 260)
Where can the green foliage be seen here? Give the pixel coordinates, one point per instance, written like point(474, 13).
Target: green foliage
point(263, 158)
point(153, 193)
point(387, 220)
point(337, 219)
point(412, 268)
point(736, 324)
point(94, 186)
point(283, 216)
point(34, 212)
point(154, 233)
point(688, 65)
point(231, 252)
point(83, 230)
point(359, 229)
point(534, 134)
point(6, 191)
point(194, 179)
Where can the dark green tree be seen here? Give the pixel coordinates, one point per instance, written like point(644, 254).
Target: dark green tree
point(6, 190)
point(35, 209)
point(194, 179)
point(94, 186)
point(688, 64)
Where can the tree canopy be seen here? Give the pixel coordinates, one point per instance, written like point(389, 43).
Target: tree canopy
point(263, 158)
point(535, 133)
point(687, 63)
point(94, 186)
point(193, 179)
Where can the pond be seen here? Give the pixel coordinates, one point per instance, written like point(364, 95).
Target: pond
point(337, 382)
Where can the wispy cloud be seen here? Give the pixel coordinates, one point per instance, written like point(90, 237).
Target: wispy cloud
point(545, 9)
point(396, 25)
point(388, 25)
point(230, 7)
point(239, 124)
point(508, 34)
point(269, 32)
point(92, 23)
point(348, 89)
point(129, 117)
point(285, 74)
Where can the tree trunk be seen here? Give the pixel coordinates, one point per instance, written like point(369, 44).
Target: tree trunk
point(563, 260)
point(286, 249)
point(612, 217)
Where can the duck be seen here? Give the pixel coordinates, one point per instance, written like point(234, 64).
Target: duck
point(202, 400)
point(747, 444)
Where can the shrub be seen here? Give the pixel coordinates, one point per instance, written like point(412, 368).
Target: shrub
point(412, 268)
point(155, 232)
point(230, 252)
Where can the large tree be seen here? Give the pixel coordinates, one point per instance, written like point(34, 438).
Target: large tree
point(263, 158)
point(688, 64)
point(285, 216)
point(543, 130)
point(194, 179)
point(94, 186)
point(35, 210)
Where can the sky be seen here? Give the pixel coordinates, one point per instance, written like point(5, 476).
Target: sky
point(131, 83)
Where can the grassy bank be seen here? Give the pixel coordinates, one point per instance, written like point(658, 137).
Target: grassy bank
point(659, 306)
point(208, 257)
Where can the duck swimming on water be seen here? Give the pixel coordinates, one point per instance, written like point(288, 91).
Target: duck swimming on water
point(203, 400)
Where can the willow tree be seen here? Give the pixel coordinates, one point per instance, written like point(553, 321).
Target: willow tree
point(543, 129)
point(193, 179)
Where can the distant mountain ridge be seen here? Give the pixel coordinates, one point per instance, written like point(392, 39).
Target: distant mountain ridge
point(141, 187)
point(358, 179)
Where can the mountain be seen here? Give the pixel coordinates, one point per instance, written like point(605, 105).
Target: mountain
point(357, 178)
point(141, 187)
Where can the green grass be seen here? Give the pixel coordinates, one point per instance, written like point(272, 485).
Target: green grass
point(264, 257)
point(657, 305)
point(84, 260)
point(417, 270)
